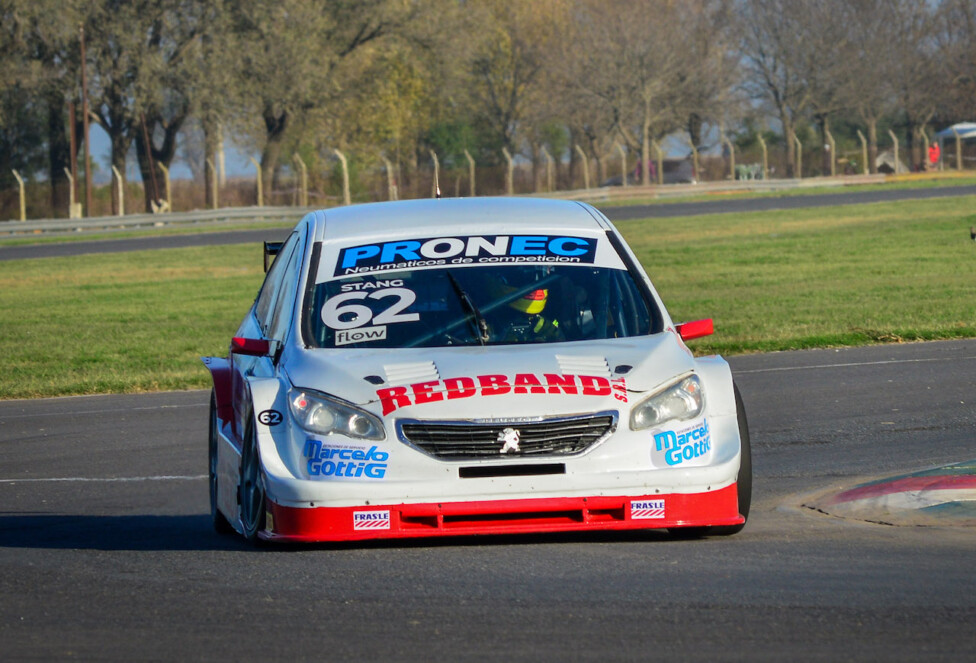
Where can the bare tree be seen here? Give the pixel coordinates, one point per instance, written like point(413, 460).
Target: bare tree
point(870, 43)
point(918, 72)
point(39, 58)
point(824, 57)
point(770, 31)
point(628, 65)
point(708, 78)
point(956, 30)
point(292, 50)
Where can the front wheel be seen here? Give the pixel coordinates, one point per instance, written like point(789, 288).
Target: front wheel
point(251, 487)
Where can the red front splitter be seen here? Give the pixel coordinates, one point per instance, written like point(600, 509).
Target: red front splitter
point(561, 514)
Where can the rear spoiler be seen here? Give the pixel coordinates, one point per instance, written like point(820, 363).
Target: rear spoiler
point(271, 249)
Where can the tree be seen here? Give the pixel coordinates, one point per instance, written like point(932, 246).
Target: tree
point(293, 49)
point(39, 55)
point(629, 65)
point(770, 31)
point(708, 72)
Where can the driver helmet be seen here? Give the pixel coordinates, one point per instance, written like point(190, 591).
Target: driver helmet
point(532, 301)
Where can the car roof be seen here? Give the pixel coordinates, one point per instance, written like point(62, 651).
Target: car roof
point(432, 217)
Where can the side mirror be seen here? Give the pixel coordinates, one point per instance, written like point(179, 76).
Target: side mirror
point(271, 249)
point(695, 329)
point(253, 347)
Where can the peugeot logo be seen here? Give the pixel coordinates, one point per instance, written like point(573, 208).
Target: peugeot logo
point(509, 438)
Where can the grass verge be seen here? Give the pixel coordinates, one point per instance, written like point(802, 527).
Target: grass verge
point(776, 280)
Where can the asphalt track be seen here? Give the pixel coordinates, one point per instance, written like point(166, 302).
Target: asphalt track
point(106, 551)
point(660, 210)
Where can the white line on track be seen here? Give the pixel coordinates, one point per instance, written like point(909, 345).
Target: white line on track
point(848, 365)
point(109, 479)
point(107, 411)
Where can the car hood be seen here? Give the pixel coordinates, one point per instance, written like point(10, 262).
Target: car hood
point(362, 376)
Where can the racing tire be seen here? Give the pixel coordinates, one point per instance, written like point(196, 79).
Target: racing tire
point(219, 521)
point(743, 482)
point(251, 487)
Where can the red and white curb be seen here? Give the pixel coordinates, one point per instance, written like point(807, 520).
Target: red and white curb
point(942, 496)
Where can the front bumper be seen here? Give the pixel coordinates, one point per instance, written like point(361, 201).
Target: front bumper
point(535, 515)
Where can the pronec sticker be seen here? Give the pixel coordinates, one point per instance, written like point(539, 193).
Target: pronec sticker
point(438, 251)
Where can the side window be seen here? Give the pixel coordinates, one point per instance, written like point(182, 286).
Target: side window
point(286, 297)
point(272, 284)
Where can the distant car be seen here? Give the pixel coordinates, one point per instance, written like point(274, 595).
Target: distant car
point(469, 366)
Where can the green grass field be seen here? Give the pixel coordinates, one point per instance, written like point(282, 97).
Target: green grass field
point(772, 281)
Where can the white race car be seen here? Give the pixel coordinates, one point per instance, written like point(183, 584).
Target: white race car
point(469, 366)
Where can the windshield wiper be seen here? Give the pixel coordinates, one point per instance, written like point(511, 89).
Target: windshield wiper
point(473, 315)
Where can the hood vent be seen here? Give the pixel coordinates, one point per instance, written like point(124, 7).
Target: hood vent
point(583, 365)
point(421, 371)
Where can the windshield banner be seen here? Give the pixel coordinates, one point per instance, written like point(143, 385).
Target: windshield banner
point(478, 249)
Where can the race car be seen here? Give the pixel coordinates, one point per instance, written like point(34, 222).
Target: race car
point(466, 366)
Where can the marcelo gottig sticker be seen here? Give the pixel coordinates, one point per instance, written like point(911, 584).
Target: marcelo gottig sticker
point(679, 447)
point(370, 520)
point(647, 510)
point(361, 335)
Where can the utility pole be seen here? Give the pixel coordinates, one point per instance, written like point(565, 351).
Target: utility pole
point(84, 115)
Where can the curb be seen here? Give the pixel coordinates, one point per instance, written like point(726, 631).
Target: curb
point(944, 496)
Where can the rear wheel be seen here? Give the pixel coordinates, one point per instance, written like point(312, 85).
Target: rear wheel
point(219, 521)
point(251, 486)
point(743, 482)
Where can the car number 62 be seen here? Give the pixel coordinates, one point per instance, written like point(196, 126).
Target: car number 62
point(338, 314)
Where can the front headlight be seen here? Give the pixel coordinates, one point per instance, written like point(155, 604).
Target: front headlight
point(682, 400)
point(318, 413)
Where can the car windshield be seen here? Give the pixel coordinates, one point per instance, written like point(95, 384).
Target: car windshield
point(485, 305)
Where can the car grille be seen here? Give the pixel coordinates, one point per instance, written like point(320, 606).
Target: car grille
point(458, 440)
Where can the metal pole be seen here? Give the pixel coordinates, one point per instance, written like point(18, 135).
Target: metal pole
point(257, 166)
point(623, 164)
point(864, 152)
point(659, 153)
point(799, 157)
point(390, 180)
point(958, 150)
point(832, 146)
point(436, 187)
point(23, 199)
point(84, 115)
point(894, 142)
point(71, 190)
point(166, 187)
point(346, 195)
point(731, 156)
point(510, 177)
point(120, 189)
point(470, 172)
point(303, 174)
point(765, 166)
point(549, 163)
point(925, 147)
point(586, 167)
